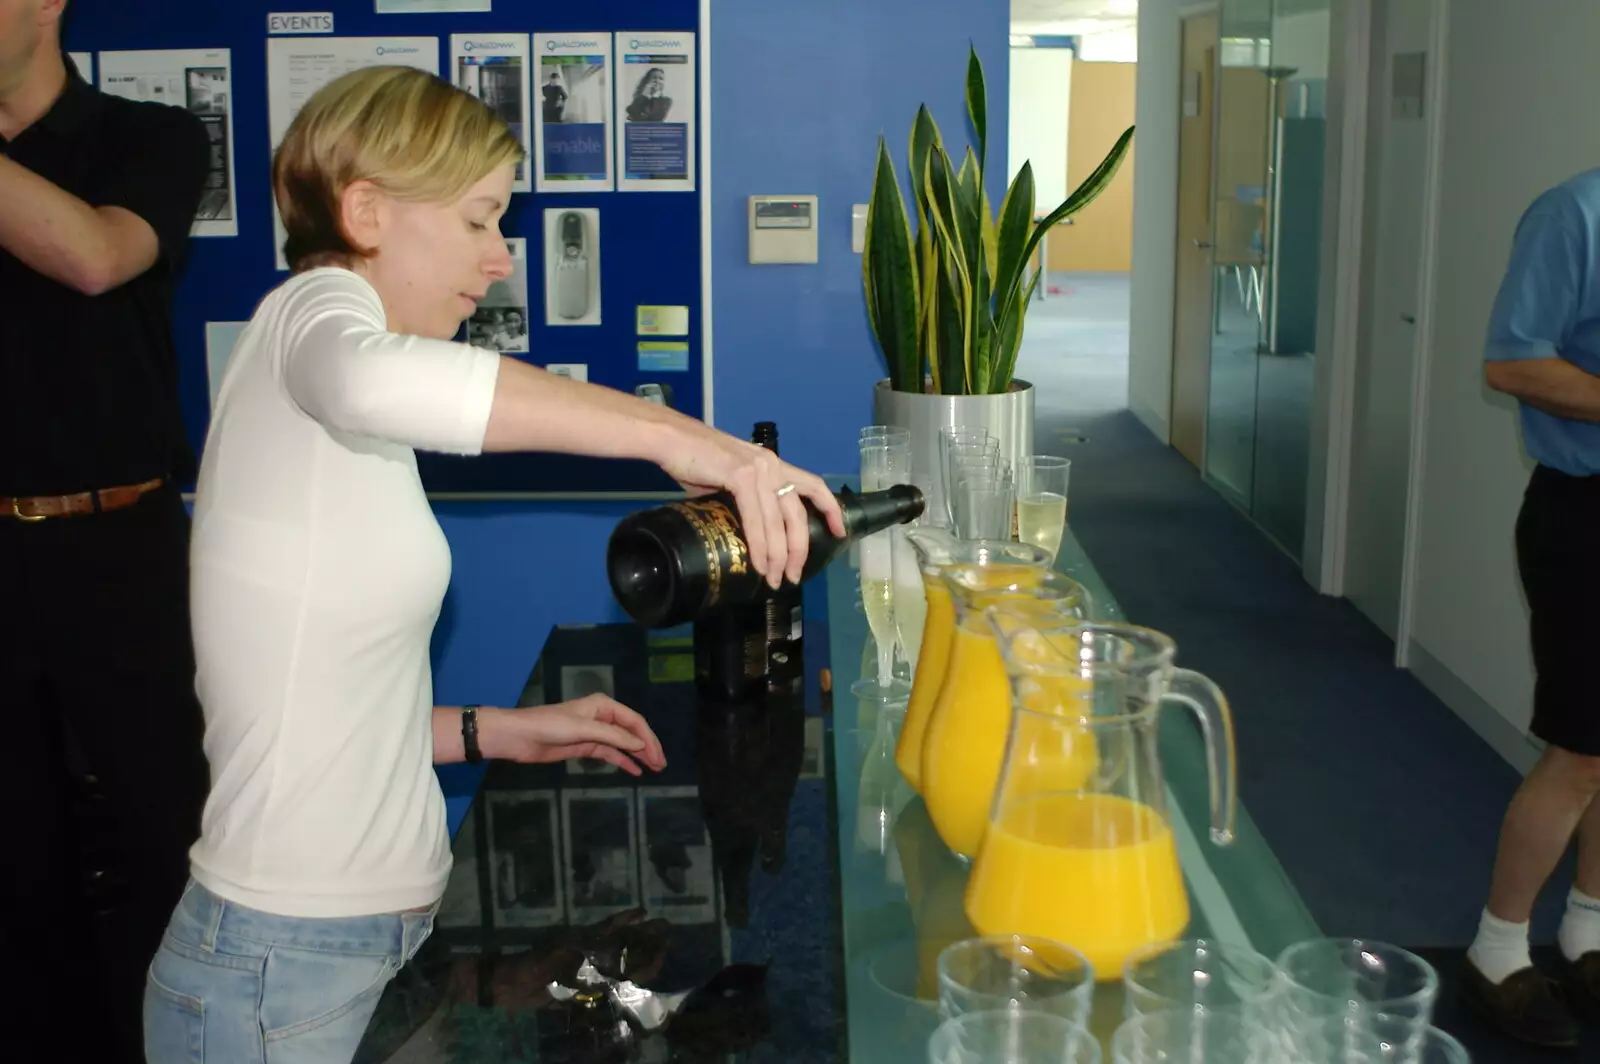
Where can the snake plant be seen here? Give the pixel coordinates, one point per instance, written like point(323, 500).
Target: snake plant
point(947, 299)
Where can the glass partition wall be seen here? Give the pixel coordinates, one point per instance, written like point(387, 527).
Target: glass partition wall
point(1267, 185)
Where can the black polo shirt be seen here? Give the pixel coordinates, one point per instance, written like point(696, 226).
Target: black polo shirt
point(88, 384)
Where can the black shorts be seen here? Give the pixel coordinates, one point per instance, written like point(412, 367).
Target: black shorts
point(1558, 557)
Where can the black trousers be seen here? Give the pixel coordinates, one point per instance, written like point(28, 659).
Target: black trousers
point(1559, 565)
point(102, 774)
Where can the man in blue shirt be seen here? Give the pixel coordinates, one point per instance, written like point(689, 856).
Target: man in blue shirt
point(1543, 349)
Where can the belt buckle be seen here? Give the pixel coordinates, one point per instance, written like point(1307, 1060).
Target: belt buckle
point(16, 511)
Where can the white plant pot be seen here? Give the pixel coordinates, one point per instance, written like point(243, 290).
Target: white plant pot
point(1007, 416)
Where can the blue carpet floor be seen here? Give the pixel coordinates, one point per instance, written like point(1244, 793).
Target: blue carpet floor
point(1382, 806)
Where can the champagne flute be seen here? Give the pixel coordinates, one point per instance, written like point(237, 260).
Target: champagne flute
point(885, 434)
point(882, 464)
point(1042, 501)
point(910, 593)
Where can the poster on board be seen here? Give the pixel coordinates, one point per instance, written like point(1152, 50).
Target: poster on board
point(200, 81)
point(501, 321)
point(298, 66)
point(494, 68)
point(572, 130)
point(655, 112)
point(84, 61)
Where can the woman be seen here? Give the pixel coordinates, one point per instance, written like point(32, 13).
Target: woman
point(650, 101)
point(318, 573)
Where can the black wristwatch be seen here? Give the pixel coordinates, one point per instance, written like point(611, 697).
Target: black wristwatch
point(469, 734)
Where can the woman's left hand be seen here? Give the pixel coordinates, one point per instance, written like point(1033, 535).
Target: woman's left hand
point(593, 726)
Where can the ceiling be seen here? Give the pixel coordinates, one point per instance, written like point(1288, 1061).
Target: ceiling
point(1071, 16)
point(1088, 16)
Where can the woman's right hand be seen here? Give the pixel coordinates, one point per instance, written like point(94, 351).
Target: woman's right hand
point(775, 526)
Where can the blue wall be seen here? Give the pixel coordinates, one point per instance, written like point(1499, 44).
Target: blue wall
point(800, 93)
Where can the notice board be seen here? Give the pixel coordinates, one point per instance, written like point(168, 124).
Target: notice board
point(630, 197)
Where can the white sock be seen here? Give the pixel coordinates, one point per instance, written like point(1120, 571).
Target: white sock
point(1580, 928)
point(1501, 947)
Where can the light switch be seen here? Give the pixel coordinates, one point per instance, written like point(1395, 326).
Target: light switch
point(783, 229)
point(858, 228)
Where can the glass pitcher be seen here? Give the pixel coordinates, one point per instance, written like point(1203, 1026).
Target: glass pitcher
point(964, 743)
point(1080, 847)
point(936, 548)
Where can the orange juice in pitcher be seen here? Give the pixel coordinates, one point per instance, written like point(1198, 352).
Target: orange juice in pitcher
point(965, 739)
point(937, 548)
point(1088, 858)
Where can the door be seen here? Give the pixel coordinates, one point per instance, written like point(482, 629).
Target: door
point(1397, 167)
point(1101, 237)
point(1245, 115)
point(1191, 347)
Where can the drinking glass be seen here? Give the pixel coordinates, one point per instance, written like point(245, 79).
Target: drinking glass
point(983, 504)
point(1010, 1036)
point(1355, 980)
point(1199, 975)
point(957, 445)
point(882, 464)
point(886, 432)
point(1225, 1036)
point(910, 597)
point(1042, 500)
point(885, 461)
point(1375, 1040)
point(1015, 972)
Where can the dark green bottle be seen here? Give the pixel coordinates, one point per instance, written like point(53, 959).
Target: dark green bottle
point(681, 561)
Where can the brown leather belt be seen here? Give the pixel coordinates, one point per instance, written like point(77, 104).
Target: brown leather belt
point(41, 507)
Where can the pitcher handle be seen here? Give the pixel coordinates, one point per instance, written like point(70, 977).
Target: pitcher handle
point(1210, 706)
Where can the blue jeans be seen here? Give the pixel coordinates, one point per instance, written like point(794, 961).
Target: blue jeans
point(232, 985)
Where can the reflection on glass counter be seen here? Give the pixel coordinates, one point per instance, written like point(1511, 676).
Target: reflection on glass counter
point(593, 916)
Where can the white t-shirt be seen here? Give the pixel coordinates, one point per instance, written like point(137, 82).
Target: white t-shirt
point(318, 571)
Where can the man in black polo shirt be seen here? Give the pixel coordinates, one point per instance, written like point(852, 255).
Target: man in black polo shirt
point(96, 663)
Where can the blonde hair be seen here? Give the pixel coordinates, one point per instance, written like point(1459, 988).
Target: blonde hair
point(414, 136)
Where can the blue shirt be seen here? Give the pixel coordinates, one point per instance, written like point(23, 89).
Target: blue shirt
point(1549, 307)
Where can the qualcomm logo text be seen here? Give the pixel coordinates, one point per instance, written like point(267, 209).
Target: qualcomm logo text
point(486, 46)
point(397, 51)
point(551, 46)
point(635, 45)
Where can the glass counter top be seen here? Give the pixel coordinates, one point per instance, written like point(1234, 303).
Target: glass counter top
point(777, 888)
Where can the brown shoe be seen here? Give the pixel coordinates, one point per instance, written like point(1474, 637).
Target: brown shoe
point(1582, 986)
point(1527, 1005)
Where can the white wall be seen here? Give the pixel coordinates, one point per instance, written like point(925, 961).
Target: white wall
point(1301, 41)
point(1519, 117)
point(1155, 217)
point(1041, 88)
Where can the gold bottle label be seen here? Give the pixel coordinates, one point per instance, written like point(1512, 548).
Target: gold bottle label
point(726, 551)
